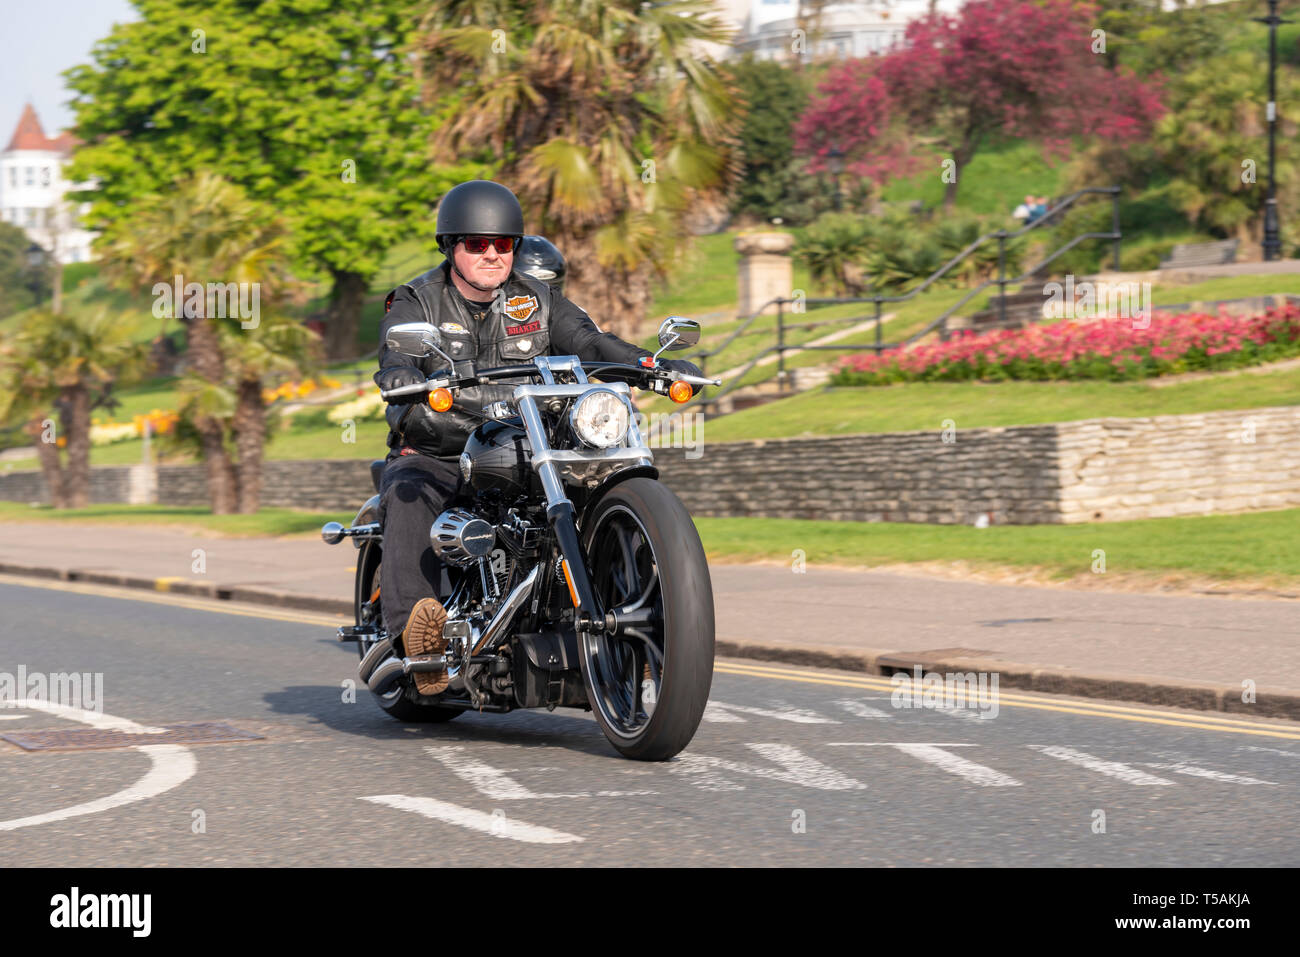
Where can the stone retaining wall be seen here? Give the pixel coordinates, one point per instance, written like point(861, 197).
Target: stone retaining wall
point(1093, 470)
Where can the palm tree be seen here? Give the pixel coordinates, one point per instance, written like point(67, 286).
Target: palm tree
point(208, 231)
point(609, 120)
point(64, 364)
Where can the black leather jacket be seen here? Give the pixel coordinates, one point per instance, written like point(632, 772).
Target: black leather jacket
point(526, 319)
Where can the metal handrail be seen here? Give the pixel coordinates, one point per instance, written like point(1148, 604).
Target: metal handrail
point(1001, 235)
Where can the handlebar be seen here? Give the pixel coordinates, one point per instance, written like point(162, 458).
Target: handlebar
point(447, 380)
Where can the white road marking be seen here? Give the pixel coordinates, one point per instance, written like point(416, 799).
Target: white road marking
point(496, 825)
point(1114, 769)
point(12, 717)
point(783, 712)
point(860, 710)
point(1181, 767)
point(1289, 754)
point(966, 714)
point(952, 763)
point(714, 714)
point(496, 784)
point(171, 764)
point(704, 771)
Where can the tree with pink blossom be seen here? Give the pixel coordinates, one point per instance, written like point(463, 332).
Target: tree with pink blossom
point(999, 67)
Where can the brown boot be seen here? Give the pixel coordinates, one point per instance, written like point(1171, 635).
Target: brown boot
point(423, 637)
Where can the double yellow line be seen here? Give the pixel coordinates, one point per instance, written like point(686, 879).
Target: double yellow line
point(1007, 699)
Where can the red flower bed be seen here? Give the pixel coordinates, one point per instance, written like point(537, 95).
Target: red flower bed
point(1102, 349)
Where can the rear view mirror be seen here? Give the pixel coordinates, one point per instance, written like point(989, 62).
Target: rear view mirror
point(678, 332)
point(416, 339)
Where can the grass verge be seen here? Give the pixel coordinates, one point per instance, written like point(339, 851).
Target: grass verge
point(1255, 546)
point(268, 522)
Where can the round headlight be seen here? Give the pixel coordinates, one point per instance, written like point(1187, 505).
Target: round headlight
point(600, 418)
point(466, 465)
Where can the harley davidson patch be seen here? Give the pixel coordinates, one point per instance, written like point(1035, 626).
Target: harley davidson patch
point(520, 330)
point(521, 307)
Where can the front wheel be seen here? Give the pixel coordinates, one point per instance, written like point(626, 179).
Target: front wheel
point(648, 686)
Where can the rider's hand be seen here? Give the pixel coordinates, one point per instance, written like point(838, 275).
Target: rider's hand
point(686, 368)
point(394, 377)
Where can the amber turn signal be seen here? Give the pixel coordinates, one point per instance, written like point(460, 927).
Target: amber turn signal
point(440, 400)
point(679, 391)
point(568, 578)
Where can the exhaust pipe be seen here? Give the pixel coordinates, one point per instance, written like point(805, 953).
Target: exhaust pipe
point(381, 669)
point(505, 617)
point(392, 669)
point(378, 652)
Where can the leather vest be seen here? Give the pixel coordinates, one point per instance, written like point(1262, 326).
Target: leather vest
point(516, 328)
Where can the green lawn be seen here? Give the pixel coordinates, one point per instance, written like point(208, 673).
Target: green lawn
point(267, 522)
point(995, 182)
point(1260, 545)
point(924, 405)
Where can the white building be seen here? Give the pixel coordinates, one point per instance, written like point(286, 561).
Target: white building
point(32, 188)
point(774, 29)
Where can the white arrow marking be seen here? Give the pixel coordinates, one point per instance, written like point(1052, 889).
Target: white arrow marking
point(782, 713)
point(952, 763)
point(497, 826)
point(796, 768)
point(860, 710)
point(964, 713)
point(716, 715)
point(1193, 771)
point(495, 783)
point(1112, 769)
point(171, 764)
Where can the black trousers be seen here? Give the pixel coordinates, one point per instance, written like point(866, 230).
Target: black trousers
point(413, 490)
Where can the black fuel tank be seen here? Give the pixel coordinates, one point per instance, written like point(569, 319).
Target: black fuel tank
point(499, 457)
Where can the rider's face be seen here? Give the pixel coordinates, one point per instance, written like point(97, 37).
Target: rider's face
point(485, 270)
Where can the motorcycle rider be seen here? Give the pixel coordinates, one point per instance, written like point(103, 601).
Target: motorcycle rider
point(489, 314)
point(538, 257)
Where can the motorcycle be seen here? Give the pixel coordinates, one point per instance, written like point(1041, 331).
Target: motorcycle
point(571, 577)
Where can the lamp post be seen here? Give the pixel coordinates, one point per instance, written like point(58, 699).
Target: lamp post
point(36, 256)
point(835, 163)
point(1272, 236)
point(35, 260)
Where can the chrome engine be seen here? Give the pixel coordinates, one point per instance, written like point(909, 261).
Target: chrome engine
point(461, 538)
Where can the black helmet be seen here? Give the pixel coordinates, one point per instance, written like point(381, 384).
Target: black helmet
point(538, 257)
point(478, 208)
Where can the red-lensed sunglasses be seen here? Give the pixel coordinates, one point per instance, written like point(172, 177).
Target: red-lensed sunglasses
point(479, 244)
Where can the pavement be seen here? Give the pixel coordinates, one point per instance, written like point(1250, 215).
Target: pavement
point(1201, 652)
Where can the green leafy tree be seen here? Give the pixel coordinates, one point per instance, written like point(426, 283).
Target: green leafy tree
point(1214, 143)
point(605, 118)
point(64, 365)
point(205, 226)
point(772, 181)
point(309, 105)
point(21, 285)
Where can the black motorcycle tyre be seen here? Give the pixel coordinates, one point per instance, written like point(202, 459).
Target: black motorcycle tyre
point(685, 602)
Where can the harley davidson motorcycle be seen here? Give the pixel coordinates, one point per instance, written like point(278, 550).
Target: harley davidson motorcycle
point(571, 577)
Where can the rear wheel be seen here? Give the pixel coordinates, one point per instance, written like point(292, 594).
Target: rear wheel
point(368, 608)
point(648, 686)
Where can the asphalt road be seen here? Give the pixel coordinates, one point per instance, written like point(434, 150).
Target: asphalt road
point(791, 766)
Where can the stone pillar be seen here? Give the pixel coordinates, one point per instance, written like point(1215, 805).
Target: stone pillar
point(766, 270)
point(142, 485)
